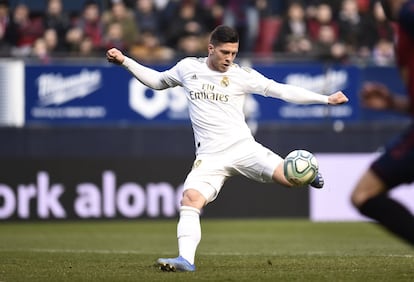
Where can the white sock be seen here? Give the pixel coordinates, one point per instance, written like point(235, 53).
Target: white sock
point(188, 232)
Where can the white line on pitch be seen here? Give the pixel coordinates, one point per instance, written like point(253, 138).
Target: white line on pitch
point(137, 252)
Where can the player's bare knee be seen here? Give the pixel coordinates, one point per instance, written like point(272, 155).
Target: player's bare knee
point(358, 198)
point(193, 198)
point(368, 187)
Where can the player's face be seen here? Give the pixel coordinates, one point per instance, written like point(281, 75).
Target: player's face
point(221, 57)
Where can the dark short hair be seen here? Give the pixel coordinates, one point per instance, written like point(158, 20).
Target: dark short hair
point(224, 34)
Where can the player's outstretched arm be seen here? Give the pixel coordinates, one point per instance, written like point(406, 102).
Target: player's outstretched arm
point(147, 76)
point(337, 98)
point(299, 95)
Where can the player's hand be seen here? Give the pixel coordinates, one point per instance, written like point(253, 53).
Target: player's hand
point(337, 98)
point(376, 96)
point(115, 56)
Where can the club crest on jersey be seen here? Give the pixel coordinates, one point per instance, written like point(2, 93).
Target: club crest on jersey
point(225, 81)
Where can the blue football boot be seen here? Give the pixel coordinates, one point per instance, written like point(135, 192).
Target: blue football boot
point(175, 264)
point(318, 181)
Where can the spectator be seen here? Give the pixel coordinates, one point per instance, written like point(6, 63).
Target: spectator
point(147, 17)
point(188, 20)
point(24, 30)
point(150, 50)
point(114, 37)
point(383, 28)
point(209, 12)
point(51, 40)
point(354, 29)
point(121, 14)
point(40, 51)
point(383, 53)
point(293, 35)
point(327, 47)
point(323, 17)
point(265, 9)
point(55, 18)
point(74, 38)
point(190, 45)
point(244, 17)
point(5, 40)
point(366, 34)
point(86, 48)
point(167, 12)
point(216, 12)
point(381, 36)
point(88, 25)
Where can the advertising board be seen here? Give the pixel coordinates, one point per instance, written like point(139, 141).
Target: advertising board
point(61, 189)
point(102, 94)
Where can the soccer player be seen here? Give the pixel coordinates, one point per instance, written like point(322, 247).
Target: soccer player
point(396, 165)
point(216, 89)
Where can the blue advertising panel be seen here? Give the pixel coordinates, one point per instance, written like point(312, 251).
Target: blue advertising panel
point(106, 94)
point(97, 94)
point(318, 78)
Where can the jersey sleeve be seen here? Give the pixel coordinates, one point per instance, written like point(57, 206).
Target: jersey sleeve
point(256, 83)
point(145, 75)
point(259, 84)
point(295, 94)
point(173, 76)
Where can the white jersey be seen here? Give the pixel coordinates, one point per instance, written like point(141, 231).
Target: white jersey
point(216, 101)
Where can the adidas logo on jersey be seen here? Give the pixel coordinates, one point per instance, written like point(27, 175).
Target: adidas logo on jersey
point(194, 76)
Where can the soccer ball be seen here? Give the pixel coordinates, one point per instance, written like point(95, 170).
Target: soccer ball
point(300, 167)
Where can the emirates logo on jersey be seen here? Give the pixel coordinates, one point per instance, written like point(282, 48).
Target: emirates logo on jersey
point(208, 93)
point(225, 81)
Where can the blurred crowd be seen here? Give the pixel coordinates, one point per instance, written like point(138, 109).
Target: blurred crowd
point(164, 30)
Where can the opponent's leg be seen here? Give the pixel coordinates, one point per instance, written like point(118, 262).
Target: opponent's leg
point(371, 199)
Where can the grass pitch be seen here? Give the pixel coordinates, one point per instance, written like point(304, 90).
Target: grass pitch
point(231, 250)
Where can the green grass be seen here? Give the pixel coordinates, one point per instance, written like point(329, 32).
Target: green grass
point(231, 250)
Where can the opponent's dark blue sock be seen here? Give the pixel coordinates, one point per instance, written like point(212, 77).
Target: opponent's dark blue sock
point(392, 215)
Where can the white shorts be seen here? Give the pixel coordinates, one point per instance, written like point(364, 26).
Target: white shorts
point(247, 158)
